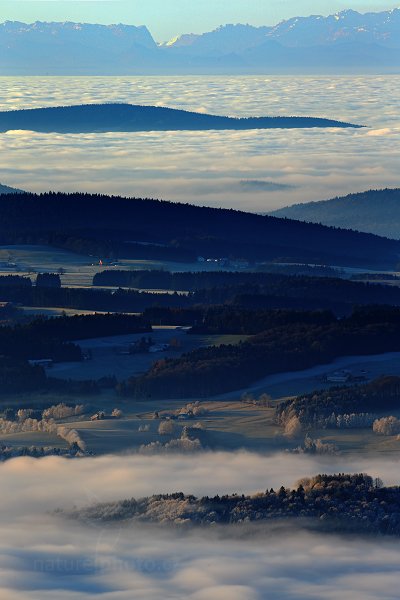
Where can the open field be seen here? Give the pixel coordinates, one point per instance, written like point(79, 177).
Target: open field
point(28, 260)
point(78, 270)
point(301, 382)
point(229, 424)
point(109, 354)
point(58, 312)
point(33, 438)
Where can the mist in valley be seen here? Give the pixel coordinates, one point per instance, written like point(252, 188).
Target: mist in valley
point(72, 559)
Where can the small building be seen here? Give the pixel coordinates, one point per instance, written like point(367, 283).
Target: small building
point(158, 348)
point(339, 377)
point(99, 416)
point(46, 363)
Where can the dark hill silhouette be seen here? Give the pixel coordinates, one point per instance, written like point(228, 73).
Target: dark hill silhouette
point(94, 118)
point(115, 225)
point(5, 189)
point(374, 211)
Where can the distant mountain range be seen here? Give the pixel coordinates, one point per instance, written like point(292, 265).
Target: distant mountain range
point(347, 41)
point(95, 118)
point(375, 211)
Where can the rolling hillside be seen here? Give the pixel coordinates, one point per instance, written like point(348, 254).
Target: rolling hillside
point(374, 211)
point(105, 225)
point(129, 117)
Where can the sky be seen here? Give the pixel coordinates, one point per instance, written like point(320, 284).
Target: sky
point(169, 18)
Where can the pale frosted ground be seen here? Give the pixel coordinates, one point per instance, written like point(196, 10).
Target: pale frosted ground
point(228, 423)
point(209, 167)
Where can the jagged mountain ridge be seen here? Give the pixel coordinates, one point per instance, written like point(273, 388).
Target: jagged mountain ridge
point(346, 26)
point(73, 47)
point(344, 41)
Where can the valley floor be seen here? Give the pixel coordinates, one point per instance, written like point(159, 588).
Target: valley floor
point(228, 423)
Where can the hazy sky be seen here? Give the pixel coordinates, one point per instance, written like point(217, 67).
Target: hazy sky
point(167, 18)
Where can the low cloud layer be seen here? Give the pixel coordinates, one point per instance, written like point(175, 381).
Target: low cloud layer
point(44, 556)
point(259, 185)
point(208, 167)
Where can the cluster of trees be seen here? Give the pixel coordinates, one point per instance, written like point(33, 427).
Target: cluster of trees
point(294, 422)
point(56, 412)
point(387, 426)
point(30, 342)
point(7, 452)
point(218, 369)
point(316, 446)
point(80, 327)
point(48, 280)
point(192, 281)
point(343, 406)
point(186, 443)
point(62, 411)
point(348, 421)
point(268, 291)
point(49, 338)
point(225, 286)
point(91, 299)
point(309, 270)
point(17, 375)
point(28, 424)
point(15, 281)
point(338, 503)
point(231, 320)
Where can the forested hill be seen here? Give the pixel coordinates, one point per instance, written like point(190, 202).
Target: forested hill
point(340, 503)
point(97, 118)
point(374, 211)
point(5, 189)
point(114, 225)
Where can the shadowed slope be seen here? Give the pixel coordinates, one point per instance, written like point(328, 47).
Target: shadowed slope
point(374, 211)
point(118, 223)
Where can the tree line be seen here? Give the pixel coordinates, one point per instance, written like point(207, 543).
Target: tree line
point(51, 337)
point(340, 503)
point(315, 409)
point(276, 291)
point(291, 347)
point(269, 284)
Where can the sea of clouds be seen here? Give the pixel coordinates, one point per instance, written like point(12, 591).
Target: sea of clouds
point(43, 555)
point(209, 168)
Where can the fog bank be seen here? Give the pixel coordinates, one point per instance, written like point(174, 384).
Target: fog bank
point(44, 556)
